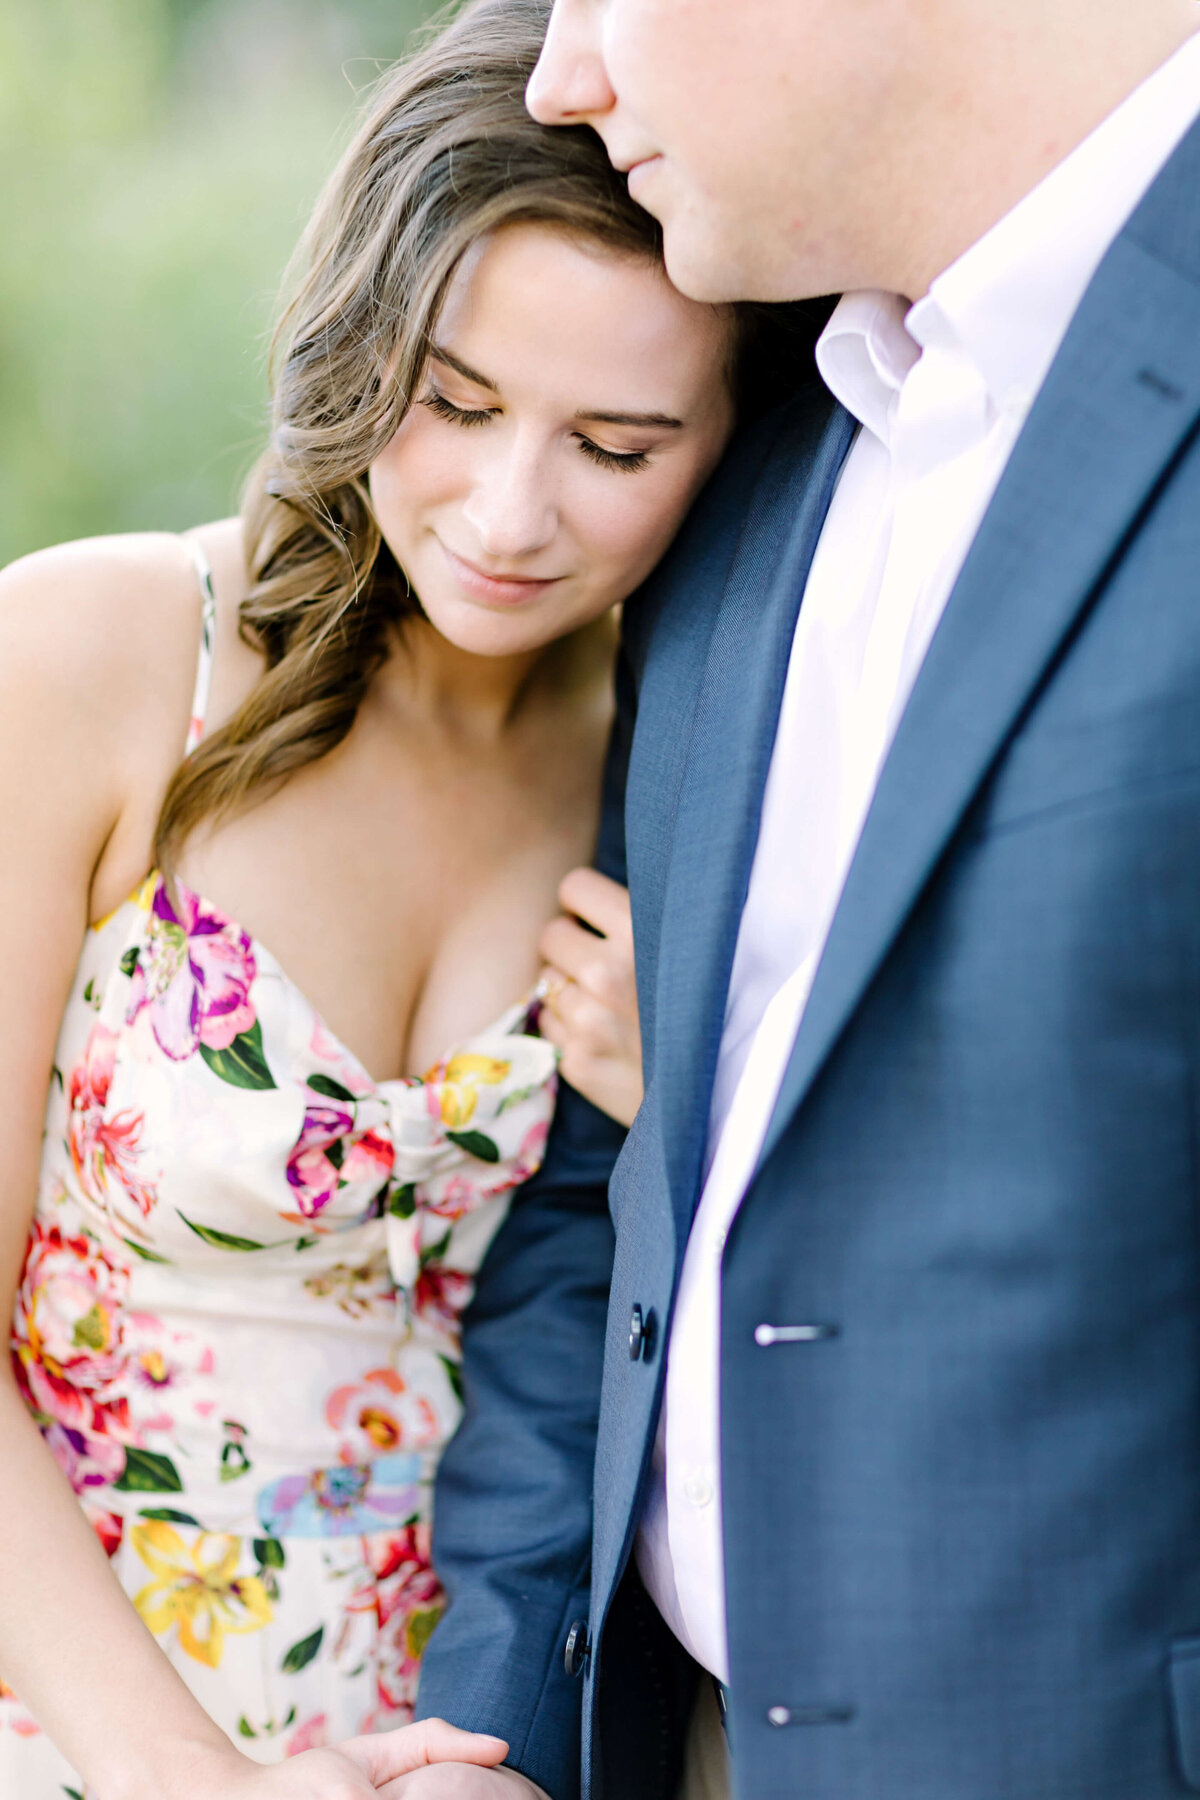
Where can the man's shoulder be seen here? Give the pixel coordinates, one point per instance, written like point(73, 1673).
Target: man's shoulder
point(690, 580)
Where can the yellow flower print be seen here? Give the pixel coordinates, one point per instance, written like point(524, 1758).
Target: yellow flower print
point(198, 1589)
point(463, 1076)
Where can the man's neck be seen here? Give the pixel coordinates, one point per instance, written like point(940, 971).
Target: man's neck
point(1014, 124)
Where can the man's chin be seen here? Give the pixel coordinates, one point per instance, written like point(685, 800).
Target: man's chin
point(708, 267)
point(701, 267)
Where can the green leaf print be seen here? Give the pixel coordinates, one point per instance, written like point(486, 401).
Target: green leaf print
point(270, 1553)
point(72, 1793)
point(435, 1252)
point(129, 961)
point(453, 1375)
point(245, 1728)
point(224, 1240)
point(475, 1144)
point(301, 1654)
point(146, 1255)
point(168, 1515)
point(402, 1201)
point(146, 1472)
point(244, 1064)
point(516, 1098)
point(331, 1089)
point(420, 1629)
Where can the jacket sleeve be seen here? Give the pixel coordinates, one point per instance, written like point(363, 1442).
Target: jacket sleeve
point(513, 1501)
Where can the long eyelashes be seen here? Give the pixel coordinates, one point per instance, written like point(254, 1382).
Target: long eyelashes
point(457, 415)
point(630, 460)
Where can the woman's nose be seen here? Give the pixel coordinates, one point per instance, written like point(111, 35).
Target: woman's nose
point(510, 507)
point(569, 84)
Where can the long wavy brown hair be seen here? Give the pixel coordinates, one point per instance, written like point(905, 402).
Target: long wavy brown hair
point(446, 153)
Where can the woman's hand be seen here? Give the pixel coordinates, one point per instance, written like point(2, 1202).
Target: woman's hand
point(362, 1768)
point(590, 1008)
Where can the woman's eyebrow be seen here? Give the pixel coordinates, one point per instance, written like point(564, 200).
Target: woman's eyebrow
point(461, 368)
point(662, 421)
point(655, 420)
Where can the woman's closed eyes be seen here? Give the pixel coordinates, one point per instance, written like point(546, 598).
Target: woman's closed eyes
point(629, 460)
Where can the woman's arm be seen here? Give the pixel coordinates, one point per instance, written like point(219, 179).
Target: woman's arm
point(97, 647)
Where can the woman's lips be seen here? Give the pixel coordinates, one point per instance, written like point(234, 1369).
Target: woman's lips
point(497, 590)
point(640, 170)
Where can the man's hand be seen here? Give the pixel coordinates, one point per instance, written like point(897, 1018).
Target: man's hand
point(590, 1010)
point(461, 1781)
point(360, 1769)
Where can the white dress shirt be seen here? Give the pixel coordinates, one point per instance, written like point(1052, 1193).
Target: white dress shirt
point(941, 392)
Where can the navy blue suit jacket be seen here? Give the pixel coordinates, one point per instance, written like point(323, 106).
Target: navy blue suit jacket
point(962, 1529)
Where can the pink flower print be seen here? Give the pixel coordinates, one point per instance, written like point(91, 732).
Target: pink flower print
point(314, 1167)
point(529, 1157)
point(313, 1734)
point(87, 1462)
point(68, 1353)
point(526, 1164)
point(451, 1197)
point(105, 1148)
point(163, 1365)
point(194, 976)
point(379, 1415)
point(329, 1155)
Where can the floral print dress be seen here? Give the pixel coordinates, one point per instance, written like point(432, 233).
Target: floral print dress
point(238, 1320)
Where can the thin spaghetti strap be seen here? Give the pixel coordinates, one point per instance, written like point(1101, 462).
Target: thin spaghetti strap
point(208, 635)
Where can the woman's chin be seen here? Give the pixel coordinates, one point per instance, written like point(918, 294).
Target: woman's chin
point(480, 630)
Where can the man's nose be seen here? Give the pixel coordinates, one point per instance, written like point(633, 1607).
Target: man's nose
point(569, 84)
point(510, 508)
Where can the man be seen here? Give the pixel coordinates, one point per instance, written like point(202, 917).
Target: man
point(900, 1425)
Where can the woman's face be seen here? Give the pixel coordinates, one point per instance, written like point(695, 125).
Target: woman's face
point(573, 405)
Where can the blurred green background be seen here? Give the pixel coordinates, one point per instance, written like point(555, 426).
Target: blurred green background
point(158, 159)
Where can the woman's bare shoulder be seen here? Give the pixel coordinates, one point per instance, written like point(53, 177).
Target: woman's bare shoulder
point(99, 642)
point(95, 611)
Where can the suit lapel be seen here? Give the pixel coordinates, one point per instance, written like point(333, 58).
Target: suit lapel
point(1122, 398)
point(732, 730)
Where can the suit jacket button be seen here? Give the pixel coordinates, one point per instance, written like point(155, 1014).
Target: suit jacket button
point(642, 1327)
point(578, 1650)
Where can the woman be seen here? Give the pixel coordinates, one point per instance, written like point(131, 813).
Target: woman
point(239, 1253)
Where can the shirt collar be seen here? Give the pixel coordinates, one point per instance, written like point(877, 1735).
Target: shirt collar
point(1009, 300)
point(864, 354)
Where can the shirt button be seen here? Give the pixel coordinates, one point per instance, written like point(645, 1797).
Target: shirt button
point(779, 1715)
point(698, 1490)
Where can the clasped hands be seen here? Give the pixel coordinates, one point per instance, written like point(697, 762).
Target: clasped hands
point(430, 1760)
